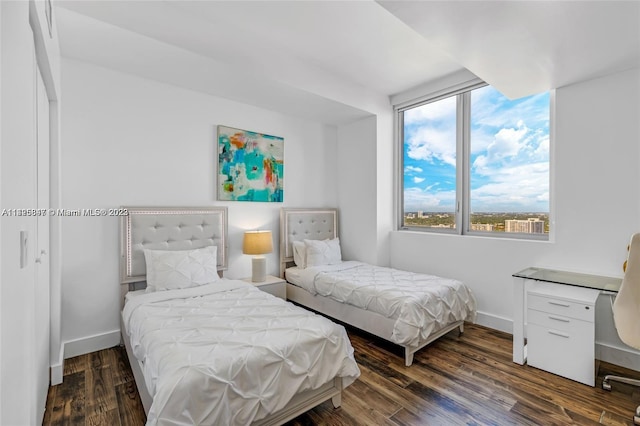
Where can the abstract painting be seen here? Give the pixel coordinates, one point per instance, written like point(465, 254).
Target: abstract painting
point(250, 166)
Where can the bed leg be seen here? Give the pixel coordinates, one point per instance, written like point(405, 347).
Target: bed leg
point(461, 329)
point(408, 357)
point(336, 400)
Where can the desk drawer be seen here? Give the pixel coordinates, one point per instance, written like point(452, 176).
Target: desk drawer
point(561, 307)
point(569, 354)
point(558, 322)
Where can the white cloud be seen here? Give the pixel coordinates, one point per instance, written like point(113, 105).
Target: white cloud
point(480, 164)
point(439, 110)
point(418, 180)
point(543, 197)
point(542, 151)
point(489, 108)
point(513, 188)
point(507, 142)
point(511, 147)
point(520, 172)
point(480, 140)
point(412, 169)
point(418, 199)
point(428, 188)
point(429, 144)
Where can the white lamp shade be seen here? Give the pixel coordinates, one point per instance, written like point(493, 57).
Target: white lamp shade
point(257, 242)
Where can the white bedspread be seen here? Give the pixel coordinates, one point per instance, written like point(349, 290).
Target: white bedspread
point(229, 354)
point(420, 303)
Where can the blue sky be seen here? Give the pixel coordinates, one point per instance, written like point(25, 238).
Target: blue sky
point(509, 154)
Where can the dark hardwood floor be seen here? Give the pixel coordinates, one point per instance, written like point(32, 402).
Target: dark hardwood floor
point(458, 380)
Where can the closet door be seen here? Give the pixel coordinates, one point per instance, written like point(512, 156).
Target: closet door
point(42, 270)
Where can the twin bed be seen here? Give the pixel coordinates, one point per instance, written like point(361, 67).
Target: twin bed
point(406, 308)
point(208, 350)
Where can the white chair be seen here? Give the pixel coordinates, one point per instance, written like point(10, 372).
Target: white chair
point(626, 312)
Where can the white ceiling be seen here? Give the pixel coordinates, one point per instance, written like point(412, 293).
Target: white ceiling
point(528, 47)
point(314, 58)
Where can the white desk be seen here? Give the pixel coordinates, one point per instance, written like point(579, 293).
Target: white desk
point(564, 281)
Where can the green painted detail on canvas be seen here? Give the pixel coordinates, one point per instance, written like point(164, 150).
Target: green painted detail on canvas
point(279, 168)
point(255, 195)
point(254, 163)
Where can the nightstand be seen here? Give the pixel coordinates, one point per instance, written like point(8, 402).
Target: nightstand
point(272, 285)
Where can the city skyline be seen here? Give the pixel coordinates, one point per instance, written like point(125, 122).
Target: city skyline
point(508, 222)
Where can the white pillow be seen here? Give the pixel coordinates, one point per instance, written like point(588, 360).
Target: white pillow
point(299, 254)
point(169, 270)
point(325, 252)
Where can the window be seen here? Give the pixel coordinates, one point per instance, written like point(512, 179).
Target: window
point(475, 162)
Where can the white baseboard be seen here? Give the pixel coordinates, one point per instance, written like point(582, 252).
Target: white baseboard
point(607, 352)
point(57, 368)
point(90, 344)
point(494, 322)
point(612, 354)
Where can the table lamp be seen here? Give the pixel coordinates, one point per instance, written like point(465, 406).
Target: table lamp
point(257, 243)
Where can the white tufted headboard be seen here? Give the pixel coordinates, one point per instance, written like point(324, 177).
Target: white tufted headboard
point(304, 224)
point(168, 228)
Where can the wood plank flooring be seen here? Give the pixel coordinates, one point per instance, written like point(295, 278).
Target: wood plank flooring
point(458, 380)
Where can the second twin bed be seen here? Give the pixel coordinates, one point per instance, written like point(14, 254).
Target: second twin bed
point(406, 308)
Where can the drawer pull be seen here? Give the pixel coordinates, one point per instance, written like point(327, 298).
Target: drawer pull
point(557, 333)
point(564, 305)
point(559, 318)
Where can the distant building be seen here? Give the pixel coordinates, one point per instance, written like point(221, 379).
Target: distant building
point(533, 225)
point(482, 227)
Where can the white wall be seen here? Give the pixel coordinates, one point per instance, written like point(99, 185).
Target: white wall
point(48, 59)
point(17, 189)
point(596, 187)
point(356, 173)
point(132, 141)
point(365, 186)
point(24, 311)
point(385, 184)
